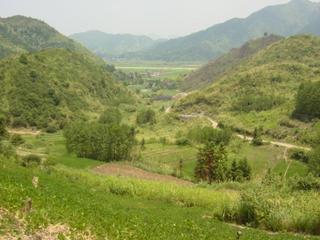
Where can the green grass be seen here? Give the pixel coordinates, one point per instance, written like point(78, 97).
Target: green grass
point(86, 202)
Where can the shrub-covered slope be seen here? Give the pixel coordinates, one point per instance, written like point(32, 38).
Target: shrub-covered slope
point(216, 68)
point(262, 89)
point(19, 34)
point(52, 85)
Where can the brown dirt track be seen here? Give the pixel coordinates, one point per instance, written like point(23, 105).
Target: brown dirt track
point(133, 172)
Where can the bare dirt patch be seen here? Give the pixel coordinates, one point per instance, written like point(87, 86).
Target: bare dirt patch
point(24, 131)
point(133, 172)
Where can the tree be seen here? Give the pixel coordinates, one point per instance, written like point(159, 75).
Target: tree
point(100, 141)
point(308, 101)
point(142, 144)
point(245, 169)
point(211, 164)
point(257, 139)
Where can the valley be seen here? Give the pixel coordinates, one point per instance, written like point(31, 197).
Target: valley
point(215, 135)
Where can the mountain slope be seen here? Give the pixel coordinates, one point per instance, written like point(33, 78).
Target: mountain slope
point(284, 20)
point(108, 45)
point(19, 34)
point(214, 69)
point(54, 85)
point(261, 91)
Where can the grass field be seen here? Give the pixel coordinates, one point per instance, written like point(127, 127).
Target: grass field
point(117, 208)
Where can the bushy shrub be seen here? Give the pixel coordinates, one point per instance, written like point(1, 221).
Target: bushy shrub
point(7, 150)
point(299, 155)
point(31, 160)
point(256, 103)
point(209, 134)
point(182, 141)
point(146, 116)
point(307, 183)
point(16, 140)
point(51, 129)
point(314, 161)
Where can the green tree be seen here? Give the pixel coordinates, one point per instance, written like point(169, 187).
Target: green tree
point(245, 169)
point(308, 101)
point(257, 137)
point(211, 164)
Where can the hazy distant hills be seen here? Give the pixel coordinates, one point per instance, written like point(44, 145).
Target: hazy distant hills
point(109, 45)
point(298, 16)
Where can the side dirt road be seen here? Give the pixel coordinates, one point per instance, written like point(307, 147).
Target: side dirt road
point(133, 172)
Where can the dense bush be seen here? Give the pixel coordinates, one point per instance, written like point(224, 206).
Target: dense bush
point(308, 101)
point(314, 161)
point(240, 171)
point(307, 183)
point(100, 141)
point(256, 103)
point(182, 141)
point(3, 131)
point(7, 150)
point(209, 134)
point(31, 160)
point(16, 140)
point(146, 116)
point(111, 116)
point(299, 155)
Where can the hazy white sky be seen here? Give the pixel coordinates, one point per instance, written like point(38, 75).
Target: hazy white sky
point(162, 17)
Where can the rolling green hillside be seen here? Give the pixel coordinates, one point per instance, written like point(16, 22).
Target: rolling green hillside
point(284, 20)
point(216, 68)
point(50, 86)
point(109, 45)
point(262, 90)
point(19, 34)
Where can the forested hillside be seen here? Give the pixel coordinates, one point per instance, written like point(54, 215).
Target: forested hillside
point(216, 68)
point(19, 34)
point(51, 86)
point(262, 90)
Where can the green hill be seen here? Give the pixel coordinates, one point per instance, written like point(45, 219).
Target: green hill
point(216, 68)
point(109, 45)
point(53, 85)
point(19, 34)
point(284, 20)
point(261, 91)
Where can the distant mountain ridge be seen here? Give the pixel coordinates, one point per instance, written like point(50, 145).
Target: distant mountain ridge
point(295, 17)
point(109, 45)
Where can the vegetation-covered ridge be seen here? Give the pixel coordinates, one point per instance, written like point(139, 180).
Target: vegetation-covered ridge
point(51, 86)
point(207, 74)
point(19, 34)
point(262, 90)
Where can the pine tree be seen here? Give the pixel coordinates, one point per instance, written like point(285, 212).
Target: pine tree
point(211, 164)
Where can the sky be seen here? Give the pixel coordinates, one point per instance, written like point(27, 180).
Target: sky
point(158, 18)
